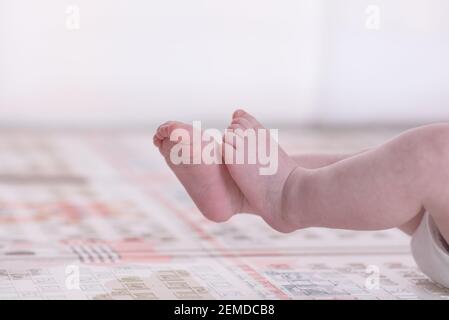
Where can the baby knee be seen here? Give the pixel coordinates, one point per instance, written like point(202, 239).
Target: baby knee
point(427, 147)
point(436, 142)
point(430, 158)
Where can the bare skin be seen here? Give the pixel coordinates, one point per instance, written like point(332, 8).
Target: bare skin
point(385, 187)
point(211, 187)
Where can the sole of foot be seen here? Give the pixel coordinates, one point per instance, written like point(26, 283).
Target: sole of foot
point(210, 186)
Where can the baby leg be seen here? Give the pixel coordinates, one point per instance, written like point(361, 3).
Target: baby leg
point(389, 186)
point(382, 188)
point(315, 161)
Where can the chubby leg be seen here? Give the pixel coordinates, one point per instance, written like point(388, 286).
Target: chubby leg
point(316, 161)
point(389, 186)
point(386, 187)
point(339, 193)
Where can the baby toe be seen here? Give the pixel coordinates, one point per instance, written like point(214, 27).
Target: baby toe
point(244, 123)
point(238, 113)
point(156, 141)
point(162, 131)
point(253, 122)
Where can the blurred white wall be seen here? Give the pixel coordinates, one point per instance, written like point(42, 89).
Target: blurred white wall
point(397, 72)
point(292, 60)
point(154, 60)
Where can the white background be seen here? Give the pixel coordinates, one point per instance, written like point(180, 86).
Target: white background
point(289, 61)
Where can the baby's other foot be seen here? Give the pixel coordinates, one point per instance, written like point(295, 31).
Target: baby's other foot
point(263, 189)
point(209, 185)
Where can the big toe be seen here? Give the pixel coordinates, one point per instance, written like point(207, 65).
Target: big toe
point(164, 138)
point(245, 119)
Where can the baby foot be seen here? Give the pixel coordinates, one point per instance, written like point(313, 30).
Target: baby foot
point(209, 185)
point(264, 193)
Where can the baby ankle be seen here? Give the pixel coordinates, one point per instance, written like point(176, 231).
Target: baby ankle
point(291, 213)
